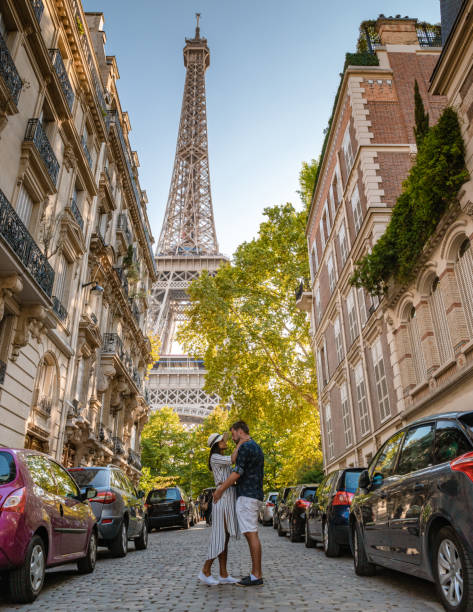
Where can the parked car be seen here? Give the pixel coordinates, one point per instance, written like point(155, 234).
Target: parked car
point(282, 495)
point(45, 520)
point(413, 511)
point(168, 507)
point(267, 510)
point(328, 515)
point(118, 507)
point(292, 511)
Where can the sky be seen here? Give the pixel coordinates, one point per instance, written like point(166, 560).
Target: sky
point(274, 71)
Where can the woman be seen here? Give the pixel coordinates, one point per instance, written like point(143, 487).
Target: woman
point(224, 521)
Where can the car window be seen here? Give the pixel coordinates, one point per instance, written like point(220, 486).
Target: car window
point(65, 485)
point(384, 461)
point(273, 498)
point(450, 442)
point(129, 488)
point(41, 472)
point(91, 477)
point(308, 494)
point(115, 480)
point(417, 450)
point(467, 421)
point(7, 468)
point(351, 479)
point(161, 495)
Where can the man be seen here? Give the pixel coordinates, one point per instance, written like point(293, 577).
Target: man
point(248, 476)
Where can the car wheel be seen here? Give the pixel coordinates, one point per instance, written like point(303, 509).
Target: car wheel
point(281, 531)
point(363, 567)
point(87, 564)
point(119, 545)
point(27, 581)
point(331, 548)
point(453, 571)
point(308, 541)
point(141, 542)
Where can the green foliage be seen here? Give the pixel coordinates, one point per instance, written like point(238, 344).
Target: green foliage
point(431, 186)
point(80, 26)
point(421, 117)
point(128, 259)
point(364, 58)
point(312, 474)
point(307, 181)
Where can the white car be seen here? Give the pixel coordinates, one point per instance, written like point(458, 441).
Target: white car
point(267, 509)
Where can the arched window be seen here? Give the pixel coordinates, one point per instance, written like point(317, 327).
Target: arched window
point(417, 354)
point(439, 321)
point(464, 275)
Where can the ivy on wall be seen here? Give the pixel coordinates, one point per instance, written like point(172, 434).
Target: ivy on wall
point(431, 186)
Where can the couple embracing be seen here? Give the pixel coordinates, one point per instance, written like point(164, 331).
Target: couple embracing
point(235, 508)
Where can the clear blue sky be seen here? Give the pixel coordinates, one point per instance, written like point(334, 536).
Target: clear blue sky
point(274, 71)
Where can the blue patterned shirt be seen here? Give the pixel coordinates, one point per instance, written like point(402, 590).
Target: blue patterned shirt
point(250, 466)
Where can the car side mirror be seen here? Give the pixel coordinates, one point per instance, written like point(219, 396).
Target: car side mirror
point(141, 494)
point(365, 480)
point(90, 493)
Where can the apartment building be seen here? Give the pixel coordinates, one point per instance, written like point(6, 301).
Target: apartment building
point(76, 262)
point(369, 149)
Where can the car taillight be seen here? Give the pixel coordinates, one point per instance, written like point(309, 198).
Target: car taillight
point(104, 497)
point(146, 506)
point(269, 504)
point(302, 504)
point(342, 498)
point(182, 505)
point(15, 502)
point(463, 464)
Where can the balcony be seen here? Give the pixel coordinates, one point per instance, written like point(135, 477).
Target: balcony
point(106, 436)
point(134, 459)
point(3, 371)
point(20, 241)
point(123, 279)
point(76, 212)
point(9, 73)
point(36, 135)
point(118, 447)
point(38, 8)
point(45, 405)
point(86, 152)
point(429, 35)
point(112, 343)
point(59, 309)
point(124, 228)
point(60, 69)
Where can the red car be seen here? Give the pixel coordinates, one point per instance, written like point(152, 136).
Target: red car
point(44, 521)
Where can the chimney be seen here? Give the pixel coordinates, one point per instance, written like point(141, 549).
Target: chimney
point(397, 30)
point(449, 10)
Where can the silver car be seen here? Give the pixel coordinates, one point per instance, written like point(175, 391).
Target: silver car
point(267, 509)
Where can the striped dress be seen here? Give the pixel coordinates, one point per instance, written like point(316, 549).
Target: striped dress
point(223, 512)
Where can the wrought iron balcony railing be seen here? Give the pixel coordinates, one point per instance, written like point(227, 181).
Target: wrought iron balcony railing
point(18, 238)
point(112, 343)
point(134, 459)
point(123, 226)
point(76, 212)
point(137, 379)
point(94, 318)
point(38, 8)
point(429, 35)
point(59, 309)
point(86, 151)
point(35, 133)
point(60, 69)
point(3, 371)
point(123, 279)
point(119, 449)
point(136, 313)
point(45, 404)
point(8, 71)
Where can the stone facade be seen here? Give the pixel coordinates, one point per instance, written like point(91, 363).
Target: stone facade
point(370, 149)
point(76, 263)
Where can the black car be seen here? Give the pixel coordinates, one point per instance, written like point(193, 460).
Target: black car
point(118, 507)
point(168, 507)
point(328, 515)
point(292, 511)
point(281, 498)
point(413, 511)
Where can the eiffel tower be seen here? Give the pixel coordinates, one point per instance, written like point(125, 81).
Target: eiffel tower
point(187, 246)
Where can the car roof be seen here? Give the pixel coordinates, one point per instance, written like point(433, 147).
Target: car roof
point(442, 415)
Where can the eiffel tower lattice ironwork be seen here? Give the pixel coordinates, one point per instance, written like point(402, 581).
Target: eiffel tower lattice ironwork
point(187, 246)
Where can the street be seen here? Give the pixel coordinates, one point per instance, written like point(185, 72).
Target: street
point(164, 577)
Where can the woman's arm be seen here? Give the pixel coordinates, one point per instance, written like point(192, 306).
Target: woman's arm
point(235, 452)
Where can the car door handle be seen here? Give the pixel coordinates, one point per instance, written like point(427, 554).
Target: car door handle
point(419, 486)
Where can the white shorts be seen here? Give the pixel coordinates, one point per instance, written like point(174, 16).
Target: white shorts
point(247, 509)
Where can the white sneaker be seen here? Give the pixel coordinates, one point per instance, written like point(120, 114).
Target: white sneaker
point(228, 580)
point(209, 580)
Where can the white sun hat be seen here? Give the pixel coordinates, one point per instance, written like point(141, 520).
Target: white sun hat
point(216, 437)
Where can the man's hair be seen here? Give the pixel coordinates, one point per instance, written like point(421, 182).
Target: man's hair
point(241, 425)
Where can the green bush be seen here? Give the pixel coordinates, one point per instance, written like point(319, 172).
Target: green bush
point(431, 186)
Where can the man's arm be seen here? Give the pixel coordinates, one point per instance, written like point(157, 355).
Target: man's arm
point(234, 476)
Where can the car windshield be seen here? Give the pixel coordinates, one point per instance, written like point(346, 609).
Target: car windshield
point(7, 468)
point(273, 498)
point(351, 481)
point(308, 494)
point(160, 495)
point(90, 478)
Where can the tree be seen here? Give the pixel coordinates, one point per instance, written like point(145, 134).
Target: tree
point(307, 177)
point(421, 117)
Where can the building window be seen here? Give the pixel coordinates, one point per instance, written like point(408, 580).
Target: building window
point(361, 400)
point(352, 321)
point(439, 320)
point(417, 353)
point(346, 416)
point(342, 239)
point(362, 305)
point(356, 208)
point(380, 379)
point(338, 176)
point(328, 425)
point(338, 340)
point(332, 273)
point(322, 236)
point(318, 311)
point(464, 275)
point(331, 199)
point(348, 150)
point(314, 259)
point(24, 206)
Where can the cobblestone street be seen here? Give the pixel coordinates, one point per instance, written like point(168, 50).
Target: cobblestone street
point(165, 578)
